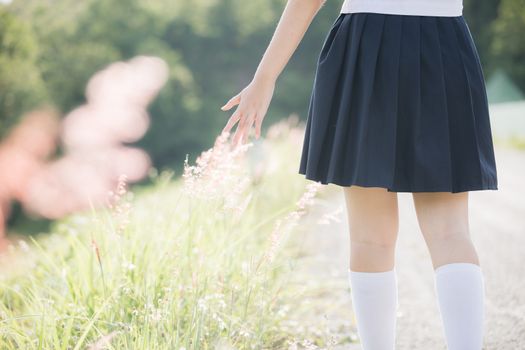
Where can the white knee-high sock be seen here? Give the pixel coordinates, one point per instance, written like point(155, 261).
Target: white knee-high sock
point(460, 291)
point(375, 302)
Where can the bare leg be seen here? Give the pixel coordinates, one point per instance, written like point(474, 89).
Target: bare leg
point(443, 219)
point(459, 284)
point(373, 224)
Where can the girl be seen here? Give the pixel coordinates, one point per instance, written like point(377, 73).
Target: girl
point(398, 105)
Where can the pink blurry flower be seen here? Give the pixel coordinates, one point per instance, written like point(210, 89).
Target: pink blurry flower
point(92, 136)
point(137, 81)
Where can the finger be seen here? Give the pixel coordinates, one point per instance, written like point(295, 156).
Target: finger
point(232, 102)
point(231, 122)
point(241, 135)
point(247, 128)
point(238, 129)
point(258, 125)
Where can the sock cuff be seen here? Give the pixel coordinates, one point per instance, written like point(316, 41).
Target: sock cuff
point(372, 279)
point(462, 266)
point(370, 273)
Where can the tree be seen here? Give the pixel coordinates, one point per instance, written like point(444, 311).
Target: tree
point(508, 45)
point(21, 86)
point(479, 16)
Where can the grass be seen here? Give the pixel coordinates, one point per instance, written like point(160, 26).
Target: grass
point(188, 263)
point(513, 141)
point(517, 142)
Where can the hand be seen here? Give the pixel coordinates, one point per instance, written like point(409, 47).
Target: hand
point(253, 102)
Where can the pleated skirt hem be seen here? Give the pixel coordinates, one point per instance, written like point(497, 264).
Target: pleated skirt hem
point(410, 189)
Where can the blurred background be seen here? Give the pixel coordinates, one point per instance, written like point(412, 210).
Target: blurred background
point(58, 69)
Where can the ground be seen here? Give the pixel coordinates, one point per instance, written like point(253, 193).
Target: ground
point(497, 221)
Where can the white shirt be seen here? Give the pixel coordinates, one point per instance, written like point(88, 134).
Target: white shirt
point(446, 8)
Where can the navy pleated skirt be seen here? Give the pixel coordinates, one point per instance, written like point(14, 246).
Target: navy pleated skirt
point(399, 102)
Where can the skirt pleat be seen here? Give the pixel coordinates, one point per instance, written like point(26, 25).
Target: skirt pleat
point(399, 102)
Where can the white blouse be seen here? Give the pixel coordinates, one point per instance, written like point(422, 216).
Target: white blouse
point(447, 8)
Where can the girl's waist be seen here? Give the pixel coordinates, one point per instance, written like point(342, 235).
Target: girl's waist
point(447, 8)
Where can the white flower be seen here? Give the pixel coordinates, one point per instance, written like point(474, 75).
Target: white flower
point(128, 266)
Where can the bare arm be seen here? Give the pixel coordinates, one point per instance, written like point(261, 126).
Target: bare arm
point(255, 98)
point(295, 20)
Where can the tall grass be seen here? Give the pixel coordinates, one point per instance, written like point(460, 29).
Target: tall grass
point(189, 263)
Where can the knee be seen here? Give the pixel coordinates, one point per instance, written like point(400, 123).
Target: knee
point(375, 240)
point(448, 233)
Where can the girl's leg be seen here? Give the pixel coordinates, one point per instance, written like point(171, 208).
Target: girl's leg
point(373, 224)
point(459, 284)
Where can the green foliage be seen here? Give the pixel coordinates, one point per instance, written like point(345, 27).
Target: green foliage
point(509, 46)
point(497, 27)
point(500, 88)
point(479, 16)
point(21, 87)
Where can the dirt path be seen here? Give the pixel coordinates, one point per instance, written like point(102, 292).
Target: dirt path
point(498, 229)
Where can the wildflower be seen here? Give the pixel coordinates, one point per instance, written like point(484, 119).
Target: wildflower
point(284, 127)
point(103, 342)
point(118, 202)
point(201, 304)
point(156, 314)
point(245, 268)
point(128, 266)
point(216, 173)
point(244, 333)
point(97, 250)
point(329, 217)
point(283, 311)
point(23, 245)
point(280, 228)
point(292, 345)
point(308, 344)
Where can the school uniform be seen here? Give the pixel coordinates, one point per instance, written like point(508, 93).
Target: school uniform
point(399, 101)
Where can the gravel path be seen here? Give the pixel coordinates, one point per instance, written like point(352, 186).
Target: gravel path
point(497, 221)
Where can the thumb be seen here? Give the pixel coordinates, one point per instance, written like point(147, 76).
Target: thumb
point(232, 102)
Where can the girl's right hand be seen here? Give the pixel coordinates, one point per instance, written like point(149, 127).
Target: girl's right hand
point(253, 102)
